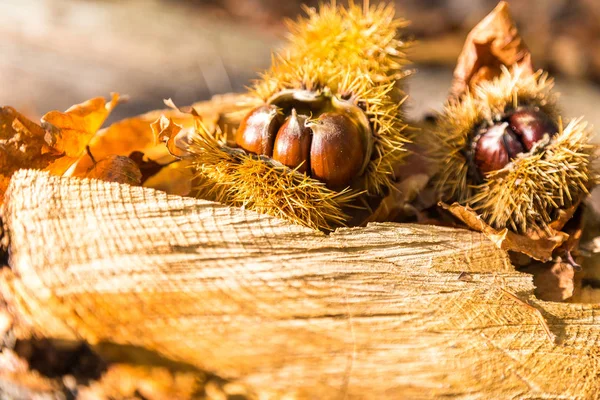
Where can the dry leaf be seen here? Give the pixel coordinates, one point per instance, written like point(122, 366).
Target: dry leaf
point(118, 169)
point(24, 144)
point(71, 131)
point(554, 281)
point(534, 244)
point(147, 166)
point(412, 193)
point(129, 135)
point(175, 137)
point(176, 178)
point(184, 110)
point(493, 43)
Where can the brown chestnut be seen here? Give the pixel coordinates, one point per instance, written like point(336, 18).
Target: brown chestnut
point(256, 134)
point(337, 152)
point(496, 147)
point(530, 125)
point(292, 145)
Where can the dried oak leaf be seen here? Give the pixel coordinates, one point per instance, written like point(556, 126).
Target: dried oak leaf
point(55, 145)
point(493, 43)
point(22, 145)
point(118, 169)
point(130, 135)
point(537, 245)
point(70, 132)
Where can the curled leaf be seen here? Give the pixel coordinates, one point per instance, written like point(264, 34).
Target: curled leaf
point(493, 43)
point(118, 169)
point(185, 110)
point(71, 131)
point(537, 245)
point(175, 137)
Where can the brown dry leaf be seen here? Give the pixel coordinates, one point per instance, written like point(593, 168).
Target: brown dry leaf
point(554, 281)
point(412, 193)
point(398, 202)
point(493, 43)
point(118, 169)
point(71, 131)
point(22, 143)
point(147, 166)
point(533, 244)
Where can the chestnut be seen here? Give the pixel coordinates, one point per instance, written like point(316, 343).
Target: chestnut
point(531, 125)
point(292, 144)
point(256, 133)
point(337, 152)
point(517, 133)
point(496, 147)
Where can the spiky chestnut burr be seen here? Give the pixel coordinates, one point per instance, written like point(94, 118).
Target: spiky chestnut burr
point(503, 151)
point(336, 86)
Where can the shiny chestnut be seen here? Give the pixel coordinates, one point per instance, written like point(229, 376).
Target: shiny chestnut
point(517, 133)
point(337, 152)
point(531, 125)
point(257, 131)
point(293, 141)
point(496, 148)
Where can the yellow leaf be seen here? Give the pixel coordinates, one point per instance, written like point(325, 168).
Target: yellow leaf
point(175, 178)
point(129, 135)
point(71, 131)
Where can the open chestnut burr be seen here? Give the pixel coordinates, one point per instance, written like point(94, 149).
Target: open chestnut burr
point(517, 132)
point(326, 138)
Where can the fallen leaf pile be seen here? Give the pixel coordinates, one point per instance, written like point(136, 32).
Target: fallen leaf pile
point(54, 145)
point(72, 143)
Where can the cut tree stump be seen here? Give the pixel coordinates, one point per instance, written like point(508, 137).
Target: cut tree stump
point(385, 311)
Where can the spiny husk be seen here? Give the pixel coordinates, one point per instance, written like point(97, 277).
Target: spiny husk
point(355, 54)
point(366, 39)
point(352, 53)
point(234, 177)
point(526, 194)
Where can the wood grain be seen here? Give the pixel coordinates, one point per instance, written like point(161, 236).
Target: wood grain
point(375, 312)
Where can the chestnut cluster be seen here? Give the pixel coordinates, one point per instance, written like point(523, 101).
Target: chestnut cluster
point(518, 132)
point(324, 137)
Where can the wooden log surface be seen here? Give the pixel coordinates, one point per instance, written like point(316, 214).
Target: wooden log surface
point(384, 311)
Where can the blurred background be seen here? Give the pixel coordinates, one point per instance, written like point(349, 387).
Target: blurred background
point(55, 53)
